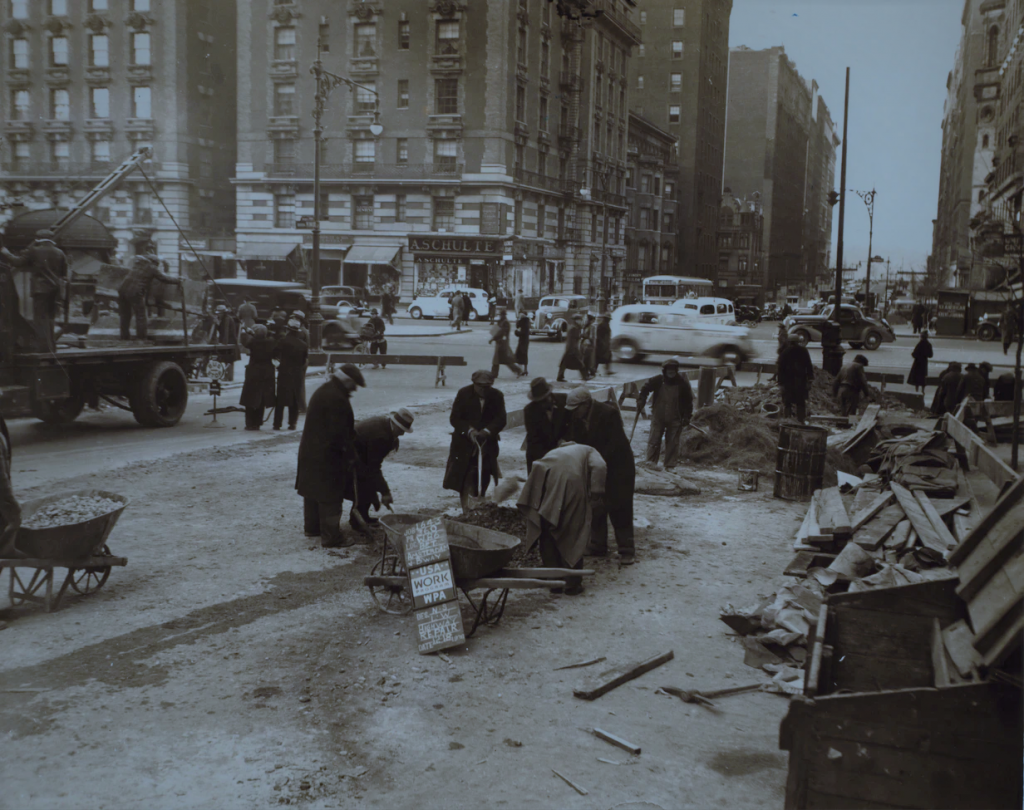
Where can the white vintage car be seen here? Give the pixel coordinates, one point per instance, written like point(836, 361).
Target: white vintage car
point(639, 330)
point(439, 306)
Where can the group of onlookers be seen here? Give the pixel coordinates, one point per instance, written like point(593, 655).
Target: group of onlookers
point(286, 343)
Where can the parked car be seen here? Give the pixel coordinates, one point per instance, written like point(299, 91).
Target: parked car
point(439, 306)
point(859, 331)
point(355, 294)
point(707, 310)
point(988, 328)
point(639, 330)
point(553, 314)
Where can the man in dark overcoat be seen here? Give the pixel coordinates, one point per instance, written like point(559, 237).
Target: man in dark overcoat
point(546, 420)
point(478, 416)
point(671, 410)
point(600, 426)
point(795, 374)
point(375, 439)
point(258, 388)
point(49, 267)
point(133, 293)
point(327, 455)
point(572, 357)
point(291, 352)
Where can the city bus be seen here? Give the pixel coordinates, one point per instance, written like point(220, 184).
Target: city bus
point(668, 289)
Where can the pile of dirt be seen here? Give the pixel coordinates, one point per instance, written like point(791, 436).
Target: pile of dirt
point(820, 400)
point(741, 440)
point(510, 521)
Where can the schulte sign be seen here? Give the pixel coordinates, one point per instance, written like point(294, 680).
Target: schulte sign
point(454, 246)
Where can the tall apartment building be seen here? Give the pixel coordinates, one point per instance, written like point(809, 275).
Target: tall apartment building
point(740, 252)
point(502, 159)
point(968, 146)
point(87, 82)
point(780, 143)
point(678, 78)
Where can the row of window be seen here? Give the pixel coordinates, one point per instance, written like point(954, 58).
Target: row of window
point(447, 39)
point(678, 17)
point(364, 152)
point(99, 104)
point(675, 82)
point(677, 49)
point(18, 9)
point(140, 52)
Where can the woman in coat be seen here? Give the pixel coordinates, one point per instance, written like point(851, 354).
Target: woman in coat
point(291, 352)
point(502, 351)
point(603, 343)
point(258, 388)
point(523, 344)
point(922, 353)
point(478, 416)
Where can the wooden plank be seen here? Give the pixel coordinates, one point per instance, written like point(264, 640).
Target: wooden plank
point(941, 530)
point(940, 668)
point(616, 677)
point(920, 521)
point(880, 502)
point(875, 533)
point(1012, 496)
point(832, 517)
point(1004, 540)
point(957, 639)
point(582, 791)
point(625, 745)
point(997, 605)
point(947, 506)
point(812, 681)
point(869, 417)
point(990, 430)
point(931, 598)
point(815, 536)
point(898, 538)
point(980, 455)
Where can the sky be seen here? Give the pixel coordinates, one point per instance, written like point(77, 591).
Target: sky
point(899, 53)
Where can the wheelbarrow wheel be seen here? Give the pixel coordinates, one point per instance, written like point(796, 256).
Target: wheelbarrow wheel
point(390, 598)
point(89, 580)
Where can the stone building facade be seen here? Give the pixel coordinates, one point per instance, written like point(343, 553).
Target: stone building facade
point(679, 83)
point(740, 248)
point(502, 159)
point(87, 82)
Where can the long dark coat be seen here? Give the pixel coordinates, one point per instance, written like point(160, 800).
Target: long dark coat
point(602, 343)
point(603, 430)
point(523, 345)
point(291, 350)
point(466, 414)
point(922, 353)
point(795, 372)
point(572, 358)
point(949, 393)
point(258, 388)
point(326, 451)
point(502, 351)
point(542, 433)
point(373, 440)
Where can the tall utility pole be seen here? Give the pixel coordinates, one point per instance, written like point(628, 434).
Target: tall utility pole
point(869, 201)
point(842, 205)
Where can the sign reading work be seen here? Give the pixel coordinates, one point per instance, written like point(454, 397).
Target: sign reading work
point(435, 600)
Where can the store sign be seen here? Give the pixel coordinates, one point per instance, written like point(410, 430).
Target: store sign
point(189, 244)
point(328, 239)
point(453, 246)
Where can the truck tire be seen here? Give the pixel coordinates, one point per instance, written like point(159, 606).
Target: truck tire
point(987, 333)
point(58, 411)
point(160, 396)
point(627, 350)
point(856, 346)
point(803, 337)
point(872, 340)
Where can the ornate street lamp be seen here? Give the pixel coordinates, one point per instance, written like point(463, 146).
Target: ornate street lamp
point(325, 83)
point(869, 201)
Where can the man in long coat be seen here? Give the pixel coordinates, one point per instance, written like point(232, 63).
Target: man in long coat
point(258, 387)
point(600, 426)
point(457, 303)
point(133, 293)
point(546, 420)
point(671, 410)
point(375, 439)
point(950, 390)
point(478, 416)
point(291, 352)
point(603, 343)
point(327, 455)
point(850, 383)
point(795, 373)
point(572, 357)
point(49, 266)
point(559, 500)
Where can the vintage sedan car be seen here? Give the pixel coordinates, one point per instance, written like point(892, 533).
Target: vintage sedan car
point(554, 313)
point(988, 328)
point(856, 329)
point(439, 306)
point(639, 330)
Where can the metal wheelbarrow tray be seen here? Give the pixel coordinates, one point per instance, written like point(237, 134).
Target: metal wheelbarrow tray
point(475, 552)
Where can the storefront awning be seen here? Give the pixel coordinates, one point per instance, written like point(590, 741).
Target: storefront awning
point(368, 254)
point(219, 254)
point(266, 251)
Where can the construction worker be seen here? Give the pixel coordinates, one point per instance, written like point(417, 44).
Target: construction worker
point(10, 509)
point(375, 439)
point(134, 292)
point(671, 409)
point(49, 268)
point(478, 416)
point(850, 383)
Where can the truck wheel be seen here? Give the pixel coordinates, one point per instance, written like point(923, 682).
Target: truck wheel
point(872, 340)
point(987, 332)
point(628, 351)
point(803, 337)
point(58, 411)
point(856, 346)
point(160, 396)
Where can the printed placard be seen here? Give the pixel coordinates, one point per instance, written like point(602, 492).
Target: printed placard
point(432, 584)
point(439, 627)
point(425, 542)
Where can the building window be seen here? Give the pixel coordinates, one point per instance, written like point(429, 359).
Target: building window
point(366, 97)
point(19, 9)
point(284, 44)
point(666, 222)
point(402, 151)
point(364, 151)
point(519, 156)
point(443, 214)
point(403, 94)
point(657, 186)
point(447, 43)
point(140, 5)
point(400, 208)
point(60, 106)
point(22, 152)
point(669, 189)
point(142, 208)
point(58, 8)
point(58, 51)
point(19, 54)
point(993, 45)
point(60, 152)
point(639, 82)
point(645, 183)
point(545, 59)
point(543, 113)
point(645, 219)
point(742, 265)
point(517, 217)
point(542, 213)
point(366, 39)
point(284, 211)
point(99, 102)
point(404, 31)
point(673, 114)
point(362, 213)
point(521, 46)
point(284, 99)
point(675, 82)
point(446, 153)
point(679, 17)
point(140, 49)
point(520, 103)
point(99, 50)
point(446, 96)
point(284, 151)
point(20, 105)
point(641, 51)
point(206, 162)
point(542, 164)
point(984, 141)
point(142, 105)
point(545, 13)
point(100, 152)
point(677, 49)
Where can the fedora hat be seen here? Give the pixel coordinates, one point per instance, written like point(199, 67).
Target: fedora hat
point(539, 388)
point(402, 419)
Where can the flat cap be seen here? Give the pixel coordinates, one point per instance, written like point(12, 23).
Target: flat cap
point(483, 377)
point(576, 398)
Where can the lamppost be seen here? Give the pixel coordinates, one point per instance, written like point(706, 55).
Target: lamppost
point(325, 83)
point(1015, 242)
point(869, 201)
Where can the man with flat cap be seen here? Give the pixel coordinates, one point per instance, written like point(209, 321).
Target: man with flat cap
point(671, 409)
point(850, 383)
point(49, 267)
point(600, 426)
point(327, 455)
point(375, 439)
point(545, 418)
point(478, 416)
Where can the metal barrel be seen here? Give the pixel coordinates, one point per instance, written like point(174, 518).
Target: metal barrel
point(800, 462)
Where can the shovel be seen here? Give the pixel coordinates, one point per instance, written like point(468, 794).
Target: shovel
point(635, 420)
point(479, 500)
point(356, 515)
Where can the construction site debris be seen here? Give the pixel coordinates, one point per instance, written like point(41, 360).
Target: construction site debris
point(766, 399)
point(617, 741)
point(610, 679)
point(71, 510)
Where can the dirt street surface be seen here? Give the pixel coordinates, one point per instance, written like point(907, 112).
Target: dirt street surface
point(235, 664)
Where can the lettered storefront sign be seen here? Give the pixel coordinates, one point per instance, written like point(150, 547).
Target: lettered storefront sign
point(435, 599)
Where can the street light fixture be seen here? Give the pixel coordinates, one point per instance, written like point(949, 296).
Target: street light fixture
point(869, 201)
point(325, 83)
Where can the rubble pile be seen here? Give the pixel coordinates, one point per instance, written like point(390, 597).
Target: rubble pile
point(508, 520)
point(69, 511)
point(754, 399)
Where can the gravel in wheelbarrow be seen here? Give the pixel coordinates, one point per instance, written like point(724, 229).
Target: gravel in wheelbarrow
point(90, 515)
